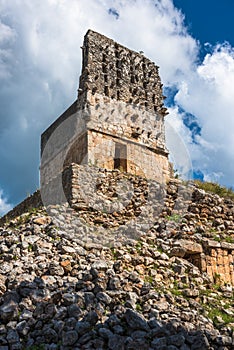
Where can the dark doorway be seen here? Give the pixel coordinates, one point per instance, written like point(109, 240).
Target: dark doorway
point(120, 160)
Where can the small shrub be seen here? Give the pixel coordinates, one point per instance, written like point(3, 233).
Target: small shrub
point(229, 239)
point(138, 307)
point(215, 188)
point(138, 246)
point(174, 217)
point(176, 292)
point(213, 313)
point(149, 279)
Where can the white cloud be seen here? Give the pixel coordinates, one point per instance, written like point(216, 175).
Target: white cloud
point(6, 33)
point(179, 141)
point(208, 94)
point(4, 205)
point(7, 36)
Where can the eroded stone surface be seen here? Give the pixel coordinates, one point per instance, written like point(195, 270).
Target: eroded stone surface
point(117, 121)
point(64, 293)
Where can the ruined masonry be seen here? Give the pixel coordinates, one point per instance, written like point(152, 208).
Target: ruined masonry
point(117, 126)
point(112, 252)
point(117, 122)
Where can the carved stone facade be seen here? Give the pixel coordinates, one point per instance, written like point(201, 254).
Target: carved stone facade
point(117, 125)
point(117, 121)
point(220, 261)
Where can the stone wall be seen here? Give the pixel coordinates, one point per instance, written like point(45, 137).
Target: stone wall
point(214, 258)
point(119, 100)
point(114, 71)
point(186, 222)
point(126, 120)
point(78, 151)
point(139, 159)
point(219, 261)
point(49, 131)
point(98, 199)
point(100, 196)
point(208, 220)
point(65, 142)
point(31, 202)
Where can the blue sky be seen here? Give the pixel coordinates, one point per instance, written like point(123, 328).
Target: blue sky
point(40, 62)
point(209, 21)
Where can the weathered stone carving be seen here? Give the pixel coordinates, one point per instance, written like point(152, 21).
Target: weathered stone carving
point(118, 118)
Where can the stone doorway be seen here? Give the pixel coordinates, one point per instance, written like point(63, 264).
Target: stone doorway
point(120, 159)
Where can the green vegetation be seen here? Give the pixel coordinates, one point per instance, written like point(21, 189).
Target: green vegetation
point(216, 304)
point(215, 314)
point(30, 247)
point(174, 217)
point(149, 279)
point(138, 246)
point(175, 291)
point(160, 250)
point(220, 236)
point(215, 188)
point(114, 253)
point(217, 281)
point(33, 210)
point(229, 239)
point(22, 219)
point(138, 307)
point(178, 290)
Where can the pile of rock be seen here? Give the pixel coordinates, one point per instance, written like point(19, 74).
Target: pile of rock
point(59, 292)
point(201, 212)
point(109, 198)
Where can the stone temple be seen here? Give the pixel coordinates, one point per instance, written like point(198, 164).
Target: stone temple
point(104, 171)
point(117, 121)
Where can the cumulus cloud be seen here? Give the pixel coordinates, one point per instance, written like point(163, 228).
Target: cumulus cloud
point(179, 141)
point(40, 62)
point(208, 94)
point(7, 36)
point(4, 205)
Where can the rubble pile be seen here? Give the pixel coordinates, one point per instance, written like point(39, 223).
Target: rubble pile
point(60, 292)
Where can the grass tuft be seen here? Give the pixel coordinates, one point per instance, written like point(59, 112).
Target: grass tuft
point(215, 188)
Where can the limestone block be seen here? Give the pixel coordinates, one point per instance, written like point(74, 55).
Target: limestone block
point(213, 253)
point(226, 245)
point(190, 247)
point(220, 260)
point(213, 244)
point(210, 271)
